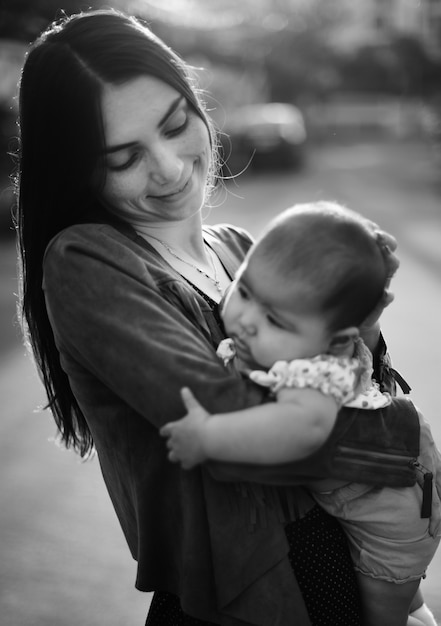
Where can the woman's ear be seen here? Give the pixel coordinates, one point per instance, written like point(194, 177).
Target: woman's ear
point(342, 341)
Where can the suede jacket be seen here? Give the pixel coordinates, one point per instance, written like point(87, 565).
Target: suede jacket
point(130, 333)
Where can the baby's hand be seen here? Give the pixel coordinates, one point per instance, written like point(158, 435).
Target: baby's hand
point(185, 436)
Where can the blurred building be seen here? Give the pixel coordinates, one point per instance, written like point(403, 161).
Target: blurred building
point(377, 21)
point(431, 26)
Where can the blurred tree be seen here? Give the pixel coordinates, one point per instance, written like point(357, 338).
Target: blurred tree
point(283, 46)
point(283, 41)
point(420, 72)
point(370, 69)
point(401, 67)
point(25, 19)
point(300, 60)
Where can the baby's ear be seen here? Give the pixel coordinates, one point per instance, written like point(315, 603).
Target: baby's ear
point(342, 341)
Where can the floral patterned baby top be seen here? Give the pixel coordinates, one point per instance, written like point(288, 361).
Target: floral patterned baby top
point(348, 380)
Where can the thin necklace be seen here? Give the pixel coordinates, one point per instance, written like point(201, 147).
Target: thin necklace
point(214, 280)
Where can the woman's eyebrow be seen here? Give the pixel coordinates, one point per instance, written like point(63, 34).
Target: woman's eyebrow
point(171, 109)
point(120, 146)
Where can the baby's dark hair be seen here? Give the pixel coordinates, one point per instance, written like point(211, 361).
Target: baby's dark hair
point(336, 253)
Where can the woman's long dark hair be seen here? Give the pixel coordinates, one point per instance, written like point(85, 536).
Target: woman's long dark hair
point(61, 138)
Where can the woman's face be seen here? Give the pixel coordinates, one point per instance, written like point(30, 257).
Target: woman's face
point(157, 153)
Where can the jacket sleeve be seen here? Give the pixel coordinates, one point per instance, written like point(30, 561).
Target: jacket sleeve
point(138, 338)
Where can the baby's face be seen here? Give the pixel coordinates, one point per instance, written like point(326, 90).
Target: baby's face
point(269, 319)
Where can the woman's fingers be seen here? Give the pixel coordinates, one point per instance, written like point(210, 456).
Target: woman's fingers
point(388, 298)
point(388, 239)
point(388, 245)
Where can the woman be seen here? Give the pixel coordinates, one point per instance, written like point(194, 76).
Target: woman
point(120, 287)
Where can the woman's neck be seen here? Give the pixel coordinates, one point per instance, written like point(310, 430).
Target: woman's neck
point(182, 245)
point(183, 237)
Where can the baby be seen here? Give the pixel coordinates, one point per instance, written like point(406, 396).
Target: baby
point(294, 315)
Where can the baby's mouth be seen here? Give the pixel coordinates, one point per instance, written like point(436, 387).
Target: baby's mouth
point(241, 345)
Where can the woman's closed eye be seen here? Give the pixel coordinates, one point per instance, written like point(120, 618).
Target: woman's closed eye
point(177, 123)
point(119, 167)
point(174, 126)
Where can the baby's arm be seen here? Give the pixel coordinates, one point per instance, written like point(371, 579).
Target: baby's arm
point(277, 432)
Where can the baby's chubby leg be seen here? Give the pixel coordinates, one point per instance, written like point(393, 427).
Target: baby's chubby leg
point(386, 604)
point(420, 612)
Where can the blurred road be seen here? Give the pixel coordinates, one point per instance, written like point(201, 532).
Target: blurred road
point(63, 559)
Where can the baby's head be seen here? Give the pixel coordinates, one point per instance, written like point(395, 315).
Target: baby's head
point(307, 284)
point(330, 255)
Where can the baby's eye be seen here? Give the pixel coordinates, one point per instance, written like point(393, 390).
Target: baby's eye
point(274, 321)
point(242, 292)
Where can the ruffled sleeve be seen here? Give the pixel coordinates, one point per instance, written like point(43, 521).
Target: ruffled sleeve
point(335, 376)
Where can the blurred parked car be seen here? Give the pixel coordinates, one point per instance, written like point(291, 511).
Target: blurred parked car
point(264, 136)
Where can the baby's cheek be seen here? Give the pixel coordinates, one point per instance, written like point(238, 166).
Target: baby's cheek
point(228, 323)
point(227, 311)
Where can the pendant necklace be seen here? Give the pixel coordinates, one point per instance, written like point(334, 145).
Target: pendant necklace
point(214, 280)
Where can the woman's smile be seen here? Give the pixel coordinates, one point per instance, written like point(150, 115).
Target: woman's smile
point(176, 195)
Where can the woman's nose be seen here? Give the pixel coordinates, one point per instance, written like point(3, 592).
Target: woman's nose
point(166, 166)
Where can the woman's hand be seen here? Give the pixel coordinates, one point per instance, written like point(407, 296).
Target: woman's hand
point(185, 439)
point(370, 329)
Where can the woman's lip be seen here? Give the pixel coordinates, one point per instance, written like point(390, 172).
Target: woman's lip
point(173, 193)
